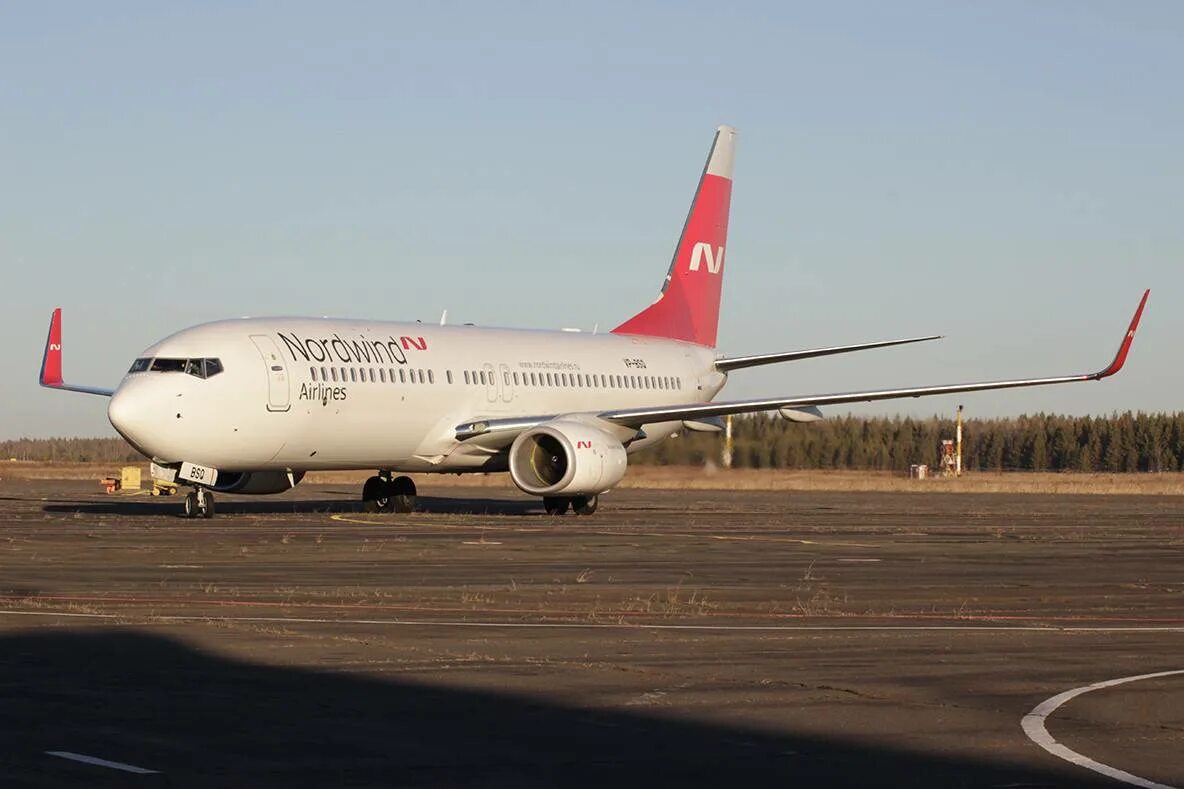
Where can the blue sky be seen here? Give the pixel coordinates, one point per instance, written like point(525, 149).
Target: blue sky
point(1007, 174)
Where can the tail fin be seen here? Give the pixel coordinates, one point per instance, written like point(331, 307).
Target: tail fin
point(688, 306)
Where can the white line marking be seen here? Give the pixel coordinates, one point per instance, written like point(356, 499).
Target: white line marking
point(79, 757)
point(302, 620)
point(1033, 724)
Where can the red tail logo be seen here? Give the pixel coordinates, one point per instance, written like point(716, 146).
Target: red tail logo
point(688, 307)
point(418, 343)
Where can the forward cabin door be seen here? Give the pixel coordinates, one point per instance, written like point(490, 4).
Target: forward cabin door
point(278, 394)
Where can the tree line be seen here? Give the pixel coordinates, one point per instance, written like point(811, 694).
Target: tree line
point(1126, 442)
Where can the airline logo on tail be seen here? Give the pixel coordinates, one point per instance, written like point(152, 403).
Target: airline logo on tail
point(703, 252)
point(688, 307)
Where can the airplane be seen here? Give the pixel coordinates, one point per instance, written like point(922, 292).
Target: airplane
point(250, 405)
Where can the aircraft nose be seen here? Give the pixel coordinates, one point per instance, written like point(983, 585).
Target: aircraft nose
point(130, 414)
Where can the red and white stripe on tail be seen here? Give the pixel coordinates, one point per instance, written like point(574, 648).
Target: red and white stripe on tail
point(688, 306)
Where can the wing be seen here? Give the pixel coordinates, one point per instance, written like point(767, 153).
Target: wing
point(492, 434)
point(738, 362)
point(51, 362)
point(636, 417)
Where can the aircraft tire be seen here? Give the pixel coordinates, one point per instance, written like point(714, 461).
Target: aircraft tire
point(208, 510)
point(375, 495)
point(556, 505)
point(191, 504)
point(585, 505)
point(402, 495)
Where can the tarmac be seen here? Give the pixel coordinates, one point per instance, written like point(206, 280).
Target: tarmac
point(674, 637)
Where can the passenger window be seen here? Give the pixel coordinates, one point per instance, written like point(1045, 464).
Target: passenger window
point(312, 371)
point(448, 375)
point(431, 376)
point(402, 375)
point(516, 379)
point(353, 375)
point(334, 371)
point(324, 377)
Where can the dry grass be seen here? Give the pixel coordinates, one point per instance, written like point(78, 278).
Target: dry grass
point(695, 478)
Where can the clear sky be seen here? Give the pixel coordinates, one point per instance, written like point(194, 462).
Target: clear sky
point(1009, 174)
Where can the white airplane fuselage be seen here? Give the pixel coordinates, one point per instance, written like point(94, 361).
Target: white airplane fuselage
point(297, 394)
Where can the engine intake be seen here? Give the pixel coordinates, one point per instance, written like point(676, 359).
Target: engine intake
point(566, 457)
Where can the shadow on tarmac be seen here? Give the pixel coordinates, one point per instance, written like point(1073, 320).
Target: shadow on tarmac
point(143, 506)
point(205, 720)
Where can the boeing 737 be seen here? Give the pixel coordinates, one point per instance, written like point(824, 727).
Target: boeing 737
point(250, 405)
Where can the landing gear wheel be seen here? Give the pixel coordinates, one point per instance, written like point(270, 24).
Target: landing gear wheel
point(585, 505)
point(402, 495)
point(556, 505)
point(376, 495)
point(199, 504)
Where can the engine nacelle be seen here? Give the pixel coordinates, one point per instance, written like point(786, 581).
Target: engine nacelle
point(257, 482)
point(566, 457)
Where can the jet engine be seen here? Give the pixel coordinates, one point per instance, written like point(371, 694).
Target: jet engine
point(257, 482)
point(568, 458)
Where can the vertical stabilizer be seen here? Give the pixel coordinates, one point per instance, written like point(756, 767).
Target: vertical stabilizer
point(688, 306)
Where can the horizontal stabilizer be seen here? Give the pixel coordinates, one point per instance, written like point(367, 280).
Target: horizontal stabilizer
point(738, 362)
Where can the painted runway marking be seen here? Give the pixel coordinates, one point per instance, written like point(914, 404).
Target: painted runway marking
point(302, 620)
point(96, 761)
point(1033, 725)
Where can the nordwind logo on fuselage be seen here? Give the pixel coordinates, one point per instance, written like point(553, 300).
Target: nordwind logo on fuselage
point(350, 351)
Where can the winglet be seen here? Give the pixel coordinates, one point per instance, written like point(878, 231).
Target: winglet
point(1125, 347)
point(51, 362)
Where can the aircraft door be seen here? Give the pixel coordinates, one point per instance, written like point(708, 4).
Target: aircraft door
point(278, 394)
point(507, 385)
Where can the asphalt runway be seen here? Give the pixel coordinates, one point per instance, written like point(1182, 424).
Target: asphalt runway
point(740, 638)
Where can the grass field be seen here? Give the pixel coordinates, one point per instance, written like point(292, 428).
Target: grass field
point(698, 478)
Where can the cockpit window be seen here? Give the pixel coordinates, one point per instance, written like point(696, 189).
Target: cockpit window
point(162, 365)
point(199, 368)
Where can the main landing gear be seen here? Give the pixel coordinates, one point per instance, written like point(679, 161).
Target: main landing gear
point(383, 494)
point(581, 505)
point(199, 504)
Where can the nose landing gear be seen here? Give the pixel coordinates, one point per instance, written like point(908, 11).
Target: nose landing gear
point(199, 503)
point(383, 494)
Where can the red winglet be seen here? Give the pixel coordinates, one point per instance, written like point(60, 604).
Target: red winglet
point(51, 363)
point(1124, 349)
